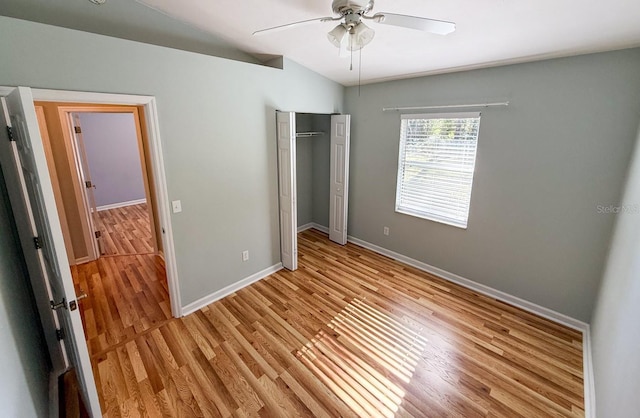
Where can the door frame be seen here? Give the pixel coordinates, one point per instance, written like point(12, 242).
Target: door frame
point(287, 188)
point(55, 182)
point(288, 222)
point(152, 125)
point(76, 157)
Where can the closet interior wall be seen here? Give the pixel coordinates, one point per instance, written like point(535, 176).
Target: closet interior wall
point(313, 169)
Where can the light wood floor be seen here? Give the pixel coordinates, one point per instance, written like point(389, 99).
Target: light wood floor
point(351, 333)
point(126, 230)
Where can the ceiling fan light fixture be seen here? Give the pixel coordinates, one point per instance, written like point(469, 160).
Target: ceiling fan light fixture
point(361, 35)
point(338, 35)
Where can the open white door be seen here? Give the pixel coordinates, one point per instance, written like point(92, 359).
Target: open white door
point(88, 185)
point(31, 194)
point(339, 188)
point(286, 132)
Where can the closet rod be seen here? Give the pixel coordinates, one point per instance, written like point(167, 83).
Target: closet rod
point(460, 106)
point(307, 134)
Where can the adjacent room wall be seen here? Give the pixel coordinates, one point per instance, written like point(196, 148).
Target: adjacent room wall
point(615, 331)
point(217, 123)
point(111, 145)
point(24, 358)
point(544, 164)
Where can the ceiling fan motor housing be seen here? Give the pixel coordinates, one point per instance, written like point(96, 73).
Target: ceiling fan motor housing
point(345, 7)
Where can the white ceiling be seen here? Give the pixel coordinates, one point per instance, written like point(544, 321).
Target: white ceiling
point(488, 32)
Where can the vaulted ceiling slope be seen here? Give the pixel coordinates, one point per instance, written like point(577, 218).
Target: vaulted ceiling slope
point(488, 33)
point(125, 19)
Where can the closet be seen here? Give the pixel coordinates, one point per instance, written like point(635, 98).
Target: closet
point(313, 177)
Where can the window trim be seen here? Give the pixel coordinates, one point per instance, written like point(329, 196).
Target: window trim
point(401, 157)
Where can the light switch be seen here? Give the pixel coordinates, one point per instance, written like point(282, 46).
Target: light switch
point(177, 206)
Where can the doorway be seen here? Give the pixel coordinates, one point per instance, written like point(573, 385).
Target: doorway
point(313, 184)
point(33, 200)
point(100, 154)
point(99, 163)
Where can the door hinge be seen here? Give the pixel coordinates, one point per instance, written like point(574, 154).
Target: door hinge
point(37, 242)
point(98, 234)
point(88, 184)
point(77, 129)
point(10, 133)
point(56, 306)
point(60, 334)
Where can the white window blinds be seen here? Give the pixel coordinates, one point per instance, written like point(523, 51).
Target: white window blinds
point(435, 170)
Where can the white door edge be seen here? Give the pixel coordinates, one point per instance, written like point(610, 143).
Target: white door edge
point(287, 193)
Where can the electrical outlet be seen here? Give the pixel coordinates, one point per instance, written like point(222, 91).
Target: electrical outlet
point(177, 206)
point(385, 230)
point(245, 255)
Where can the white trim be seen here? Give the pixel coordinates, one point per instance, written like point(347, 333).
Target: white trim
point(588, 378)
point(321, 228)
point(120, 204)
point(83, 260)
point(162, 197)
point(477, 287)
point(48, 95)
point(232, 288)
point(313, 225)
point(305, 227)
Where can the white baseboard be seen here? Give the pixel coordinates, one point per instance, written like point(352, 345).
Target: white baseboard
point(305, 227)
point(477, 287)
point(83, 260)
point(226, 291)
point(121, 204)
point(313, 225)
point(589, 388)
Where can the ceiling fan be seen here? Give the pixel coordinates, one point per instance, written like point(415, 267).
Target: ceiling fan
point(352, 34)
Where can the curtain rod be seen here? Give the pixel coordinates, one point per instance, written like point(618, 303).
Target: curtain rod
point(460, 106)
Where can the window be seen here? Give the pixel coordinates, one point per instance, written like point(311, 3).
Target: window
point(435, 168)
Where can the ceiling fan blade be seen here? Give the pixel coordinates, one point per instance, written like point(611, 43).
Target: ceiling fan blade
point(439, 27)
point(293, 24)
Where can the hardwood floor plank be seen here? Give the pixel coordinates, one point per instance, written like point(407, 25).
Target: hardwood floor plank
point(125, 230)
point(351, 333)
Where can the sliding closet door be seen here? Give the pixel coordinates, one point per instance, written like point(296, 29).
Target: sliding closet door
point(339, 188)
point(286, 132)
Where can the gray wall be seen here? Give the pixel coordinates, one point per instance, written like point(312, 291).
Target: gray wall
point(217, 122)
point(615, 331)
point(111, 145)
point(321, 169)
point(313, 166)
point(24, 359)
point(543, 165)
point(304, 173)
point(304, 179)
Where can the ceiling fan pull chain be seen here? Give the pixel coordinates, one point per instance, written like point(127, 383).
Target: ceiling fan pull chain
point(351, 49)
point(359, 72)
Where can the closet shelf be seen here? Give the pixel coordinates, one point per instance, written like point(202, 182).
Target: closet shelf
point(308, 134)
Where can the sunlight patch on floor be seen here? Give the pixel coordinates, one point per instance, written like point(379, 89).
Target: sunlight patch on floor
point(365, 359)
